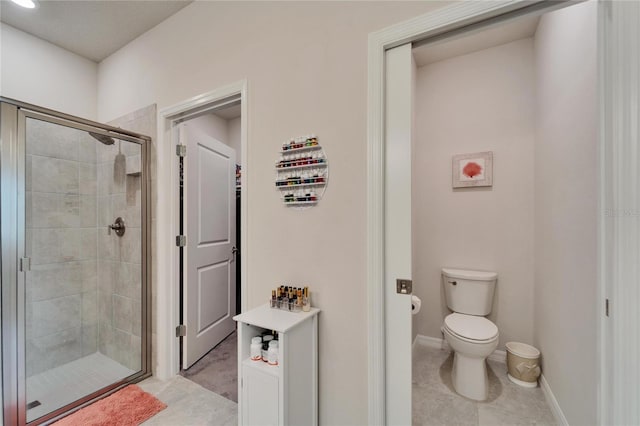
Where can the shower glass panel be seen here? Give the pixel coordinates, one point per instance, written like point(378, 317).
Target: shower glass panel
point(83, 292)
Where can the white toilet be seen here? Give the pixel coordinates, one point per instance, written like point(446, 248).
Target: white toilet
point(472, 337)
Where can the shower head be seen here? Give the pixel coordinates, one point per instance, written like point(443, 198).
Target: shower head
point(107, 140)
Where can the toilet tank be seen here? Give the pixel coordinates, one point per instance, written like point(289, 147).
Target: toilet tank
point(469, 292)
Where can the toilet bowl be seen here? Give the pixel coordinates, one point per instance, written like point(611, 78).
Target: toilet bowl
point(473, 339)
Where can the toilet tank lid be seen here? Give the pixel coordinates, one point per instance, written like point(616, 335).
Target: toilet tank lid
point(464, 274)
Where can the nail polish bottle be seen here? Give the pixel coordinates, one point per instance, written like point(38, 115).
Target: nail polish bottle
point(299, 300)
point(306, 302)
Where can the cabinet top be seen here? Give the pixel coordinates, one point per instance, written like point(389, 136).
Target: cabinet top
point(275, 319)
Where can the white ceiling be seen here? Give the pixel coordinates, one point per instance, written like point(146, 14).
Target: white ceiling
point(91, 28)
point(473, 41)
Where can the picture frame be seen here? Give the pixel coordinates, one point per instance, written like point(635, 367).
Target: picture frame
point(472, 170)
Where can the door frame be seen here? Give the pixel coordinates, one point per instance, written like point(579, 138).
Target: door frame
point(459, 17)
point(168, 297)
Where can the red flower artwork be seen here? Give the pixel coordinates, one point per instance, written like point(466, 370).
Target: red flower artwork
point(472, 169)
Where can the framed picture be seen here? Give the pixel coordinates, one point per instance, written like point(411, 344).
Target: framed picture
point(473, 169)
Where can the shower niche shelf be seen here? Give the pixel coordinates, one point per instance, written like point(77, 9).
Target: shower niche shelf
point(302, 172)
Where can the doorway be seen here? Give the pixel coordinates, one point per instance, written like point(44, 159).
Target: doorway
point(211, 180)
point(495, 95)
point(207, 140)
point(615, 74)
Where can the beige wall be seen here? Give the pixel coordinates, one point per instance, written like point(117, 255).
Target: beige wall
point(235, 137)
point(225, 131)
point(566, 208)
point(482, 101)
point(306, 67)
point(38, 72)
point(211, 125)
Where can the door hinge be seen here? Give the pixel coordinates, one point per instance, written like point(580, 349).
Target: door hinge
point(25, 264)
point(181, 330)
point(181, 240)
point(606, 307)
point(181, 150)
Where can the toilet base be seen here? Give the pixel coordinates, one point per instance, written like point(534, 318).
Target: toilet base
point(469, 376)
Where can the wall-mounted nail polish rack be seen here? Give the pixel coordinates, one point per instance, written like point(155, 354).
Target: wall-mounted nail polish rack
point(302, 172)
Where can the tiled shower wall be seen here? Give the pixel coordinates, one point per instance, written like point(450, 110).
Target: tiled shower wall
point(144, 121)
point(84, 289)
point(61, 289)
point(119, 257)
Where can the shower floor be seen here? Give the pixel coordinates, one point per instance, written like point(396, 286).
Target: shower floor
point(69, 382)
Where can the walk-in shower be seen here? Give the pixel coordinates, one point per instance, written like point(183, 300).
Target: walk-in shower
point(75, 292)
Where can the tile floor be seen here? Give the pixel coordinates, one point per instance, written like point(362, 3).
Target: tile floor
point(436, 403)
point(62, 385)
point(189, 404)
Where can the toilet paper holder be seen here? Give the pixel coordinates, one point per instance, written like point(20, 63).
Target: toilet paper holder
point(416, 303)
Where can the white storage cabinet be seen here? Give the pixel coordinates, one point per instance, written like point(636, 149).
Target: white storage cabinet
point(283, 394)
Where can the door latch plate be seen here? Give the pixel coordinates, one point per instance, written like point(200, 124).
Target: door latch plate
point(404, 286)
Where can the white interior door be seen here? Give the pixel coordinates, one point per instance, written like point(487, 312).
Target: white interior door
point(210, 273)
point(397, 222)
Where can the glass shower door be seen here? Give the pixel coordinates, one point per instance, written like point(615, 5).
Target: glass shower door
point(83, 292)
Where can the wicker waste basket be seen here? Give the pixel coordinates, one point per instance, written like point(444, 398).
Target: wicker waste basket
point(523, 364)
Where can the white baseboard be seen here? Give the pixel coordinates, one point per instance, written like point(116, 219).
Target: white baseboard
point(553, 402)
point(430, 342)
point(437, 343)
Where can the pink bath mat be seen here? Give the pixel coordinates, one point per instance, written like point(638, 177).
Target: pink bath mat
point(127, 407)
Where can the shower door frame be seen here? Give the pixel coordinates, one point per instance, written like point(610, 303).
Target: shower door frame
point(13, 263)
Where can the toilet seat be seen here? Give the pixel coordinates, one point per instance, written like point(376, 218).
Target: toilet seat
point(471, 328)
